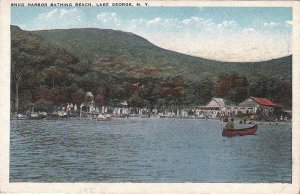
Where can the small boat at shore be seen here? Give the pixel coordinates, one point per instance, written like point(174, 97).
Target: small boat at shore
point(62, 114)
point(101, 117)
point(37, 115)
point(21, 117)
point(240, 132)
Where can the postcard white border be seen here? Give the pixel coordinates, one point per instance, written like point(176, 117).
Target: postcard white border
point(133, 188)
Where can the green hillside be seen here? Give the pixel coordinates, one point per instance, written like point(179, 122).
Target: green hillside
point(54, 67)
point(118, 51)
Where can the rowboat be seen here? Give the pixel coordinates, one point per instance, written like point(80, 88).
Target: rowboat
point(21, 117)
point(37, 115)
point(62, 114)
point(240, 132)
point(101, 117)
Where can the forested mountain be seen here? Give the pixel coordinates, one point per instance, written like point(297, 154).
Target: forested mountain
point(119, 51)
point(53, 67)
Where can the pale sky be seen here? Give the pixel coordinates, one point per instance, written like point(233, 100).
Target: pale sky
point(219, 33)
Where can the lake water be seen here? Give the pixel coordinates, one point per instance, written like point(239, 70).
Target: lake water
point(146, 150)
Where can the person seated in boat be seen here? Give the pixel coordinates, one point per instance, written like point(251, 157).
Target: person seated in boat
point(241, 121)
point(230, 124)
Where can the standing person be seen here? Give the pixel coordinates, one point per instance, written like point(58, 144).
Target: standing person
point(230, 124)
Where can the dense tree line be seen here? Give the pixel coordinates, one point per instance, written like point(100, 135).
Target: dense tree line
point(44, 75)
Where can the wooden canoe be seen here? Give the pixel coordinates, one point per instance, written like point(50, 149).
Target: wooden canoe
point(240, 132)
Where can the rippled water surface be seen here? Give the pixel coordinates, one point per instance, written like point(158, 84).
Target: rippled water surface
point(146, 150)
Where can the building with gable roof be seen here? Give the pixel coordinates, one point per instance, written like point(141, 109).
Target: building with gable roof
point(253, 104)
point(215, 104)
point(213, 109)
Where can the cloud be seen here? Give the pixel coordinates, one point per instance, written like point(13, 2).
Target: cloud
point(271, 24)
point(223, 40)
point(226, 40)
point(108, 17)
point(289, 22)
point(108, 20)
point(59, 18)
point(74, 14)
point(155, 21)
point(229, 23)
point(275, 25)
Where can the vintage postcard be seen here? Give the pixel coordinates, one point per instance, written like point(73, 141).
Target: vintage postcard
point(149, 97)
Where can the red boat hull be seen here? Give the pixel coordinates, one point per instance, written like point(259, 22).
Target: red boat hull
point(240, 132)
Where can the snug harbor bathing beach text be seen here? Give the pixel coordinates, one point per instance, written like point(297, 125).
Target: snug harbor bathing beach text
point(78, 4)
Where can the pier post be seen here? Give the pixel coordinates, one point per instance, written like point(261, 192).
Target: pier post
point(80, 111)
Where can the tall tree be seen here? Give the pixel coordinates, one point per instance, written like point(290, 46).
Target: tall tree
point(172, 90)
point(54, 74)
point(22, 64)
point(231, 86)
point(202, 91)
point(102, 95)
